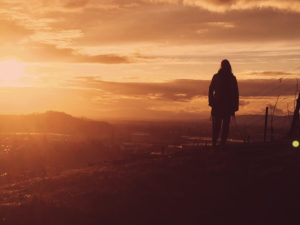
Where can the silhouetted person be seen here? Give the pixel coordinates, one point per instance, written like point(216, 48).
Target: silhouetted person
point(224, 100)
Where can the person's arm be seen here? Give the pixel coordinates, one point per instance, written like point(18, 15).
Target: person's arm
point(236, 95)
point(211, 92)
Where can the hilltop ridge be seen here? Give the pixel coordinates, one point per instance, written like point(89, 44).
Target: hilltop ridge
point(53, 122)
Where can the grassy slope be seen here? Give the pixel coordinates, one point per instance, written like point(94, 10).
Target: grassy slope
point(246, 185)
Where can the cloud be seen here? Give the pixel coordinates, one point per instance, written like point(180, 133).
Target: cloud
point(83, 24)
point(106, 59)
point(75, 4)
point(244, 102)
point(186, 90)
point(225, 5)
point(273, 73)
point(213, 5)
point(178, 90)
point(11, 32)
point(128, 21)
point(62, 39)
point(50, 53)
point(185, 25)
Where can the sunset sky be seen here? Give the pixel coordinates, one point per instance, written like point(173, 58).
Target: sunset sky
point(145, 59)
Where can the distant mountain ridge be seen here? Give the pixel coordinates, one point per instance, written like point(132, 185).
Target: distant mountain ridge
point(53, 122)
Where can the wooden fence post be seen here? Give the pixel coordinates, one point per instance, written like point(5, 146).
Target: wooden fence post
point(266, 124)
point(295, 119)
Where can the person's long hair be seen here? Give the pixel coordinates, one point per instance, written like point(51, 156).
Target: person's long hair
point(225, 67)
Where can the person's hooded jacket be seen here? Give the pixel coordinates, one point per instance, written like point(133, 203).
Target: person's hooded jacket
point(223, 94)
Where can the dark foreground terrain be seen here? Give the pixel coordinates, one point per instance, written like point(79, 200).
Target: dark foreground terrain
point(247, 184)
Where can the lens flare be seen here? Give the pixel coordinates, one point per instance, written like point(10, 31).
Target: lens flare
point(296, 144)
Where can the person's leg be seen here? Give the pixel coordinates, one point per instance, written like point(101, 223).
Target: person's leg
point(225, 129)
point(216, 122)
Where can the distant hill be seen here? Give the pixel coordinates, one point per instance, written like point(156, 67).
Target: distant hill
point(53, 122)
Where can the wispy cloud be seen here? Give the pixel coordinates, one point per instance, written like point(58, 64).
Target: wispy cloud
point(186, 90)
point(277, 74)
point(83, 24)
point(225, 5)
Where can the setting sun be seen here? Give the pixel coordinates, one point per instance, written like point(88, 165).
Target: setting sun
point(11, 71)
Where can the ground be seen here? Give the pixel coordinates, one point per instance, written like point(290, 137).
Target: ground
point(244, 184)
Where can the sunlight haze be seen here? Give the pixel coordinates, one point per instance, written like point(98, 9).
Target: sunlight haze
point(145, 59)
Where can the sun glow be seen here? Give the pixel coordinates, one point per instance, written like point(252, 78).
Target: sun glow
point(11, 71)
